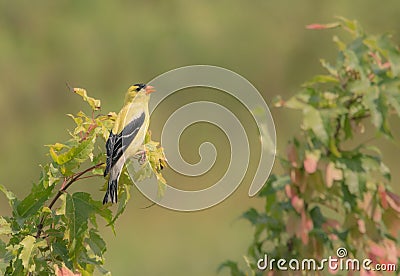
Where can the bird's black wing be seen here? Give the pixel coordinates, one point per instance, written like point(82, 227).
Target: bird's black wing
point(114, 146)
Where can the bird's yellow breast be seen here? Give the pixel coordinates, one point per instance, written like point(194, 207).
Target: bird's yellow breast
point(131, 111)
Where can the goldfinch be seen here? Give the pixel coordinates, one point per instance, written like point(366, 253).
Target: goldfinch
point(127, 136)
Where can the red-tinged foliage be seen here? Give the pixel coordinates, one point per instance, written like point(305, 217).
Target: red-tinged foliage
point(331, 194)
point(317, 26)
point(310, 163)
point(332, 174)
point(63, 271)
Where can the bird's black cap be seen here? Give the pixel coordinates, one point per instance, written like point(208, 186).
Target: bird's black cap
point(140, 86)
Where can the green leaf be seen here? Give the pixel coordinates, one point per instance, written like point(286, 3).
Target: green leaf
point(52, 175)
point(42, 267)
point(3, 249)
point(351, 180)
point(57, 146)
point(94, 104)
point(333, 148)
point(385, 171)
point(98, 171)
point(312, 120)
point(317, 217)
point(77, 154)
point(102, 211)
point(78, 212)
point(3, 254)
point(12, 199)
point(296, 103)
point(49, 175)
point(143, 172)
point(34, 201)
point(377, 104)
point(391, 52)
point(318, 79)
point(60, 250)
point(5, 227)
point(18, 268)
point(393, 97)
point(3, 264)
point(88, 270)
point(339, 43)
point(162, 185)
point(351, 26)
point(79, 121)
point(103, 271)
point(251, 215)
point(96, 243)
point(123, 199)
point(233, 266)
point(369, 163)
point(359, 81)
point(28, 243)
point(274, 184)
point(331, 69)
point(349, 199)
point(348, 131)
point(80, 208)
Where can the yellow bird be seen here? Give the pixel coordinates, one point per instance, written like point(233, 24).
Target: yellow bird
point(127, 136)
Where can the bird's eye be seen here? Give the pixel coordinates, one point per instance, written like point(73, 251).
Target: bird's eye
point(139, 86)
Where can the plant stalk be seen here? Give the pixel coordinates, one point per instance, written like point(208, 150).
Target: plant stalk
point(60, 192)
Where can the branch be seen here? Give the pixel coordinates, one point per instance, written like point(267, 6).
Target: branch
point(64, 187)
point(338, 127)
point(338, 119)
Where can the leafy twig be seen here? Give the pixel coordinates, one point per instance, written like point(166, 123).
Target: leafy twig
point(64, 187)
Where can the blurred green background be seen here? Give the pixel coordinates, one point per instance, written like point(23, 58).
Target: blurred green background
point(106, 46)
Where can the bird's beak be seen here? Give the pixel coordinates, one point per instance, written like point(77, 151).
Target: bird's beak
point(149, 89)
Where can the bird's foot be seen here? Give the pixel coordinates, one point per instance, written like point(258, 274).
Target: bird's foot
point(141, 156)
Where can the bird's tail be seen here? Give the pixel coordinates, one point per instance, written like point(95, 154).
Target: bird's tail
point(112, 189)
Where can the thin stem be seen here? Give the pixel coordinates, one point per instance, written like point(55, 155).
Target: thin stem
point(338, 127)
point(89, 176)
point(85, 135)
point(64, 187)
point(336, 134)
